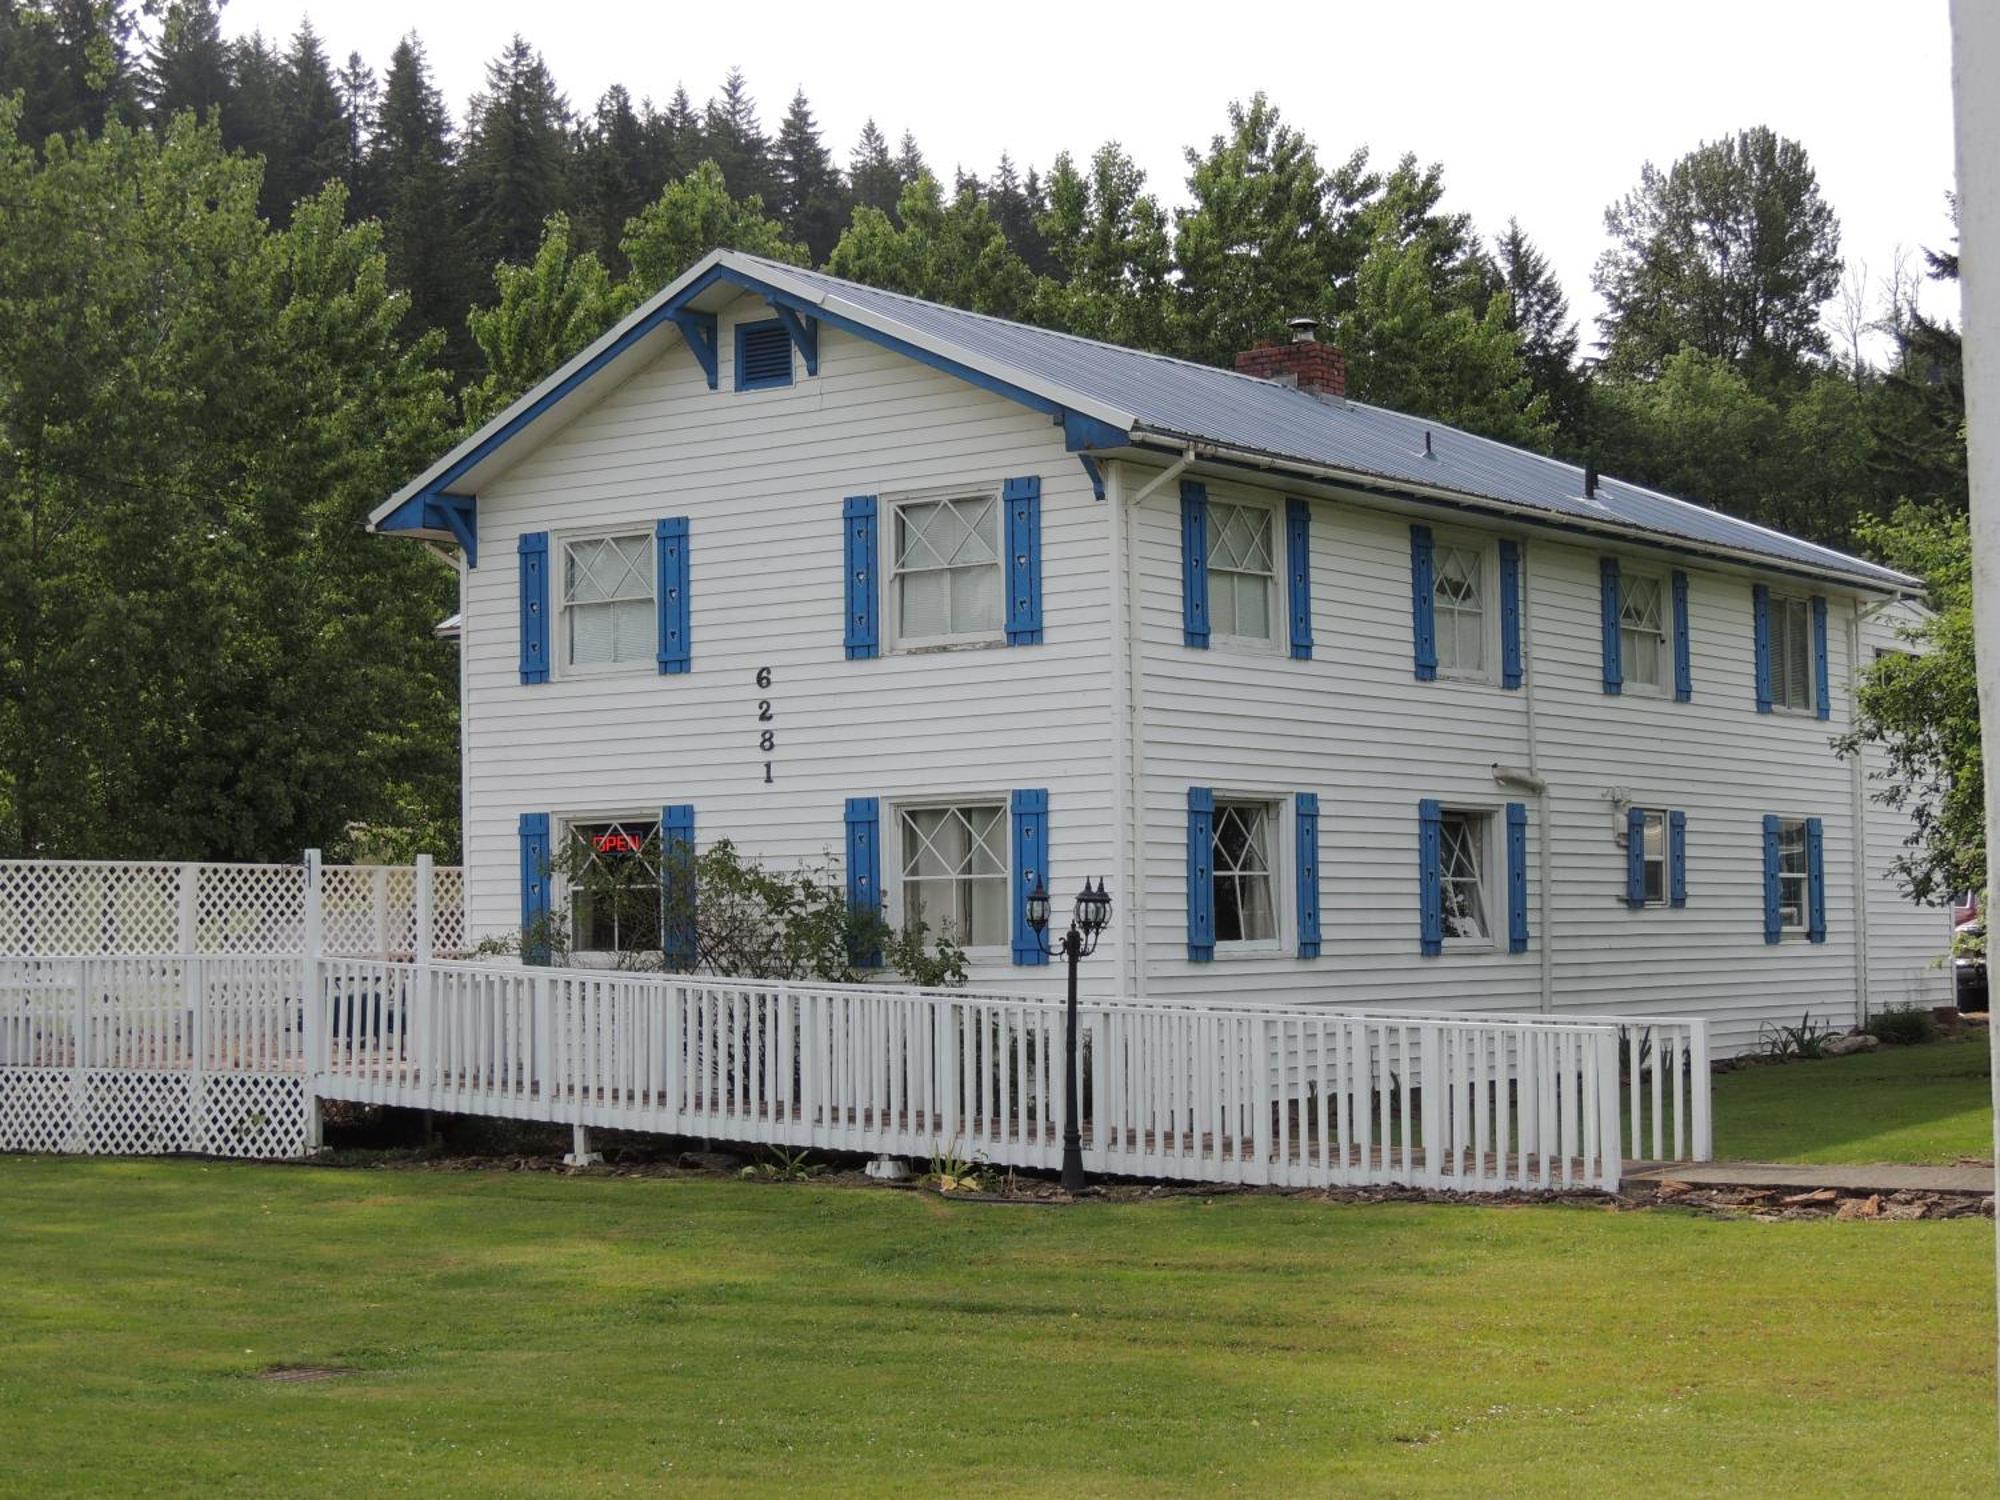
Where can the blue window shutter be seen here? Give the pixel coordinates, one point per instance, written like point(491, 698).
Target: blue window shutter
point(670, 544)
point(1760, 610)
point(1517, 877)
point(1683, 649)
point(1430, 875)
point(1023, 498)
point(1194, 563)
point(864, 866)
point(1510, 613)
point(1635, 856)
point(1772, 928)
point(1201, 874)
point(1423, 601)
point(1298, 555)
point(1822, 678)
point(1608, 597)
point(1306, 808)
point(1815, 880)
point(1031, 868)
point(677, 890)
point(534, 888)
point(864, 604)
point(1677, 858)
point(534, 548)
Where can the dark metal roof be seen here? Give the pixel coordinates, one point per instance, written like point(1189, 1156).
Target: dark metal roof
point(1201, 404)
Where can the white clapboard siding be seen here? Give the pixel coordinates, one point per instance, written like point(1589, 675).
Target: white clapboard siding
point(761, 476)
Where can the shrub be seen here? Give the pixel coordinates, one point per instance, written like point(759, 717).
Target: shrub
point(1793, 1043)
point(1903, 1025)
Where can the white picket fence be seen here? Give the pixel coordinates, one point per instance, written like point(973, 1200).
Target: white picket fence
point(1297, 1096)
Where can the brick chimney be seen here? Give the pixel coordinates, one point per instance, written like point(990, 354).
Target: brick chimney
point(1304, 362)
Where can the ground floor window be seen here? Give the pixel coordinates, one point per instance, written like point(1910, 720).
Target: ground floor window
point(1463, 839)
point(1794, 873)
point(954, 871)
point(613, 878)
point(1245, 854)
point(1653, 857)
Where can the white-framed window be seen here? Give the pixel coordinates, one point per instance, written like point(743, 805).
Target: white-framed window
point(953, 869)
point(1462, 610)
point(1244, 859)
point(1242, 570)
point(947, 569)
point(1652, 856)
point(611, 885)
point(608, 614)
point(1794, 874)
point(1642, 630)
point(1792, 676)
point(1465, 887)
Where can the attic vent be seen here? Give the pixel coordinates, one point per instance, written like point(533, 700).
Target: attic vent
point(763, 356)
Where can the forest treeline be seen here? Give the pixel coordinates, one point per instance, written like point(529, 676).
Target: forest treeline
point(247, 290)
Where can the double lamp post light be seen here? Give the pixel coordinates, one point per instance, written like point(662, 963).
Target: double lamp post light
point(1088, 919)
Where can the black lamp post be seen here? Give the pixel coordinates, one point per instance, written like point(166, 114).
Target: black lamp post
point(1088, 919)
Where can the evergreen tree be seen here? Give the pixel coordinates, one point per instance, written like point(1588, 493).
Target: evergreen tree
point(871, 172)
point(545, 312)
point(1538, 315)
point(314, 135)
point(411, 166)
point(692, 217)
point(1731, 251)
point(952, 253)
point(611, 173)
point(1107, 242)
point(250, 123)
point(1017, 208)
point(673, 142)
point(516, 155)
point(1917, 421)
point(71, 61)
point(187, 64)
point(361, 104)
point(910, 164)
point(733, 138)
point(811, 200)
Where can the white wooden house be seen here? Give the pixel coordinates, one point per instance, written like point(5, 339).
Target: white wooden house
point(1345, 706)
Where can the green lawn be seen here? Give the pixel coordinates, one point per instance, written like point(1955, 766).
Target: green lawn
point(1927, 1104)
point(517, 1333)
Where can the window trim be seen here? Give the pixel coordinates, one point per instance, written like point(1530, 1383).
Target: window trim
point(1488, 548)
point(1276, 606)
point(1777, 606)
point(1283, 814)
point(1491, 882)
point(892, 575)
point(767, 383)
point(562, 829)
point(561, 666)
point(1801, 929)
point(1664, 688)
point(893, 909)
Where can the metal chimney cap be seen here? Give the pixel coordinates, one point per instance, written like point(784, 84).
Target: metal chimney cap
point(1304, 330)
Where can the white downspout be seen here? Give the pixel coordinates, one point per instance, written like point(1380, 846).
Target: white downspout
point(1121, 729)
point(1135, 808)
point(1544, 861)
point(1858, 791)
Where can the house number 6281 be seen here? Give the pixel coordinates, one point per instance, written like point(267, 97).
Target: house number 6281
point(767, 739)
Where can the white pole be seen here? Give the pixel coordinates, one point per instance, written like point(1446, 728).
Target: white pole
point(309, 993)
point(423, 1042)
point(1975, 64)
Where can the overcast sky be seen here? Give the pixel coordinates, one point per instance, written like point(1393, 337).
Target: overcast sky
point(1539, 109)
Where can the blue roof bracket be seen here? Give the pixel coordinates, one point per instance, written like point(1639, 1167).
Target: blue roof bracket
point(434, 510)
point(804, 332)
point(698, 328)
point(1081, 432)
point(1090, 467)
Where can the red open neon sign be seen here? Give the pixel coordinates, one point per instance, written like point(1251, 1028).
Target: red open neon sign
point(616, 841)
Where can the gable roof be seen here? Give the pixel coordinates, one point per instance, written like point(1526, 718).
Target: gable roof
point(1110, 397)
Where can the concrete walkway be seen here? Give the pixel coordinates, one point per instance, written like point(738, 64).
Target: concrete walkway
point(1885, 1178)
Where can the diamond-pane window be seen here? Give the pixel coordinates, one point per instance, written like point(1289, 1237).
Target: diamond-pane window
point(1642, 630)
point(955, 872)
point(614, 887)
point(1243, 860)
point(948, 566)
point(608, 614)
point(1462, 860)
point(1459, 610)
point(1240, 570)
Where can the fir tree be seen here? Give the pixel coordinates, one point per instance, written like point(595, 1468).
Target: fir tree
point(611, 172)
point(71, 61)
point(871, 172)
point(733, 138)
point(250, 123)
point(360, 102)
point(515, 157)
point(412, 166)
point(187, 64)
point(1538, 314)
point(811, 201)
point(313, 131)
point(673, 142)
point(1017, 208)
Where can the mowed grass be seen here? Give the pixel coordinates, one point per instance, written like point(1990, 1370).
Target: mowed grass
point(520, 1334)
point(1929, 1104)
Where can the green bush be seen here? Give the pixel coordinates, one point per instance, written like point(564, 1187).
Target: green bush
point(1903, 1025)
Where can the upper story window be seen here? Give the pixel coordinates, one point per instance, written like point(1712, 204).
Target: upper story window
point(1461, 609)
point(1642, 631)
point(1792, 654)
point(763, 356)
point(1241, 570)
point(1243, 862)
point(947, 570)
point(1794, 869)
point(613, 880)
point(954, 871)
point(608, 618)
point(1462, 874)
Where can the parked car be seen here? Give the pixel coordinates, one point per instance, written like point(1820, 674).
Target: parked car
point(1968, 952)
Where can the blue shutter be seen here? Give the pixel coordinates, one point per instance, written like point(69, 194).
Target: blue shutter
point(1306, 811)
point(670, 544)
point(1760, 611)
point(1031, 868)
point(1298, 553)
point(1683, 649)
point(677, 889)
point(534, 549)
point(1023, 499)
point(864, 866)
point(1430, 876)
point(534, 888)
point(1517, 877)
point(1815, 880)
point(1635, 856)
point(864, 611)
point(1822, 678)
point(1772, 928)
point(1423, 601)
point(1194, 563)
point(1200, 874)
point(1677, 858)
point(1608, 600)
point(1510, 613)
